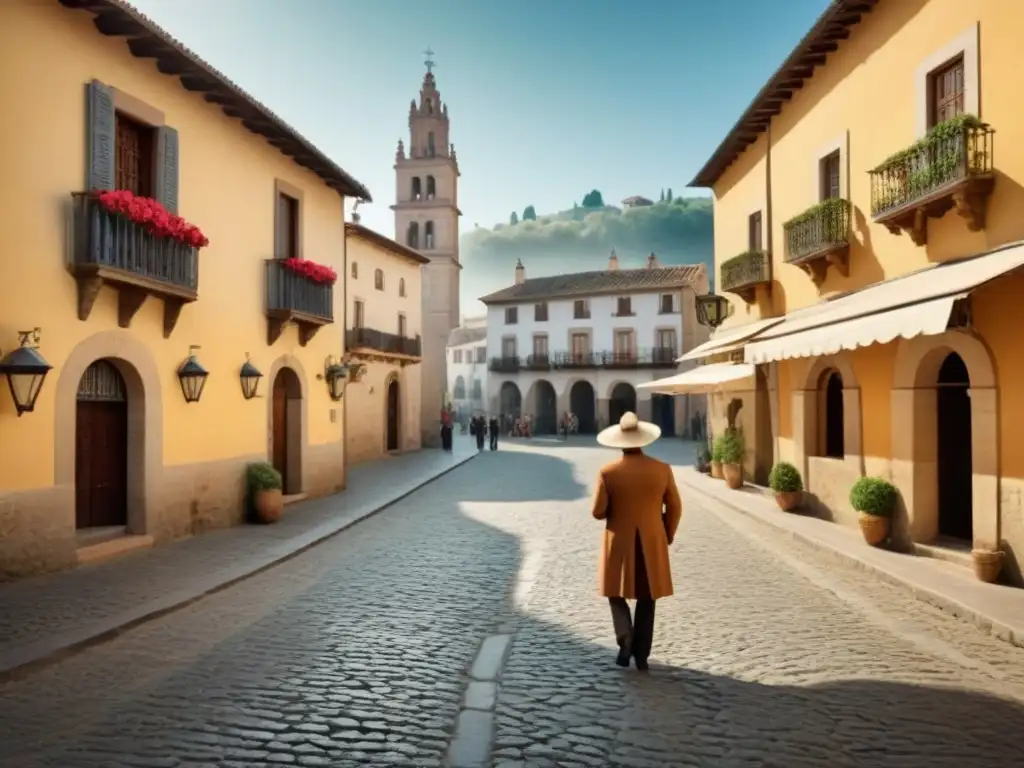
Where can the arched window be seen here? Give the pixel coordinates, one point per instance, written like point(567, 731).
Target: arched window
point(412, 236)
point(430, 106)
point(831, 422)
point(378, 279)
point(431, 188)
point(401, 286)
point(355, 270)
point(459, 392)
point(431, 149)
point(428, 235)
point(417, 188)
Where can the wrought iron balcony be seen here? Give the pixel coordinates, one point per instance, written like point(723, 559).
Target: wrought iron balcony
point(951, 167)
point(538, 363)
point(744, 273)
point(576, 360)
point(110, 249)
point(371, 342)
point(659, 357)
point(295, 298)
point(505, 364)
point(820, 237)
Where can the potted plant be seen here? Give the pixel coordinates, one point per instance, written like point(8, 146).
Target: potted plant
point(263, 483)
point(732, 458)
point(988, 563)
point(787, 484)
point(702, 458)
point(716, 458)
point(875, 499)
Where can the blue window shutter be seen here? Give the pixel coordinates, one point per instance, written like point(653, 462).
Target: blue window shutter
point(166, 178)
point(101, 136)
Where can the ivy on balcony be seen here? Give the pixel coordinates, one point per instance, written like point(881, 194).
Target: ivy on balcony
point(742, 274)
point(819, 237)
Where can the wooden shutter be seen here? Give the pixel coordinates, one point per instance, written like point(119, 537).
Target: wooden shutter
point(165, 172)
point(101, 131)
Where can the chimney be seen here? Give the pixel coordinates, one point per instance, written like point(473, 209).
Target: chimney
point(613, 262)
point(652, 262)
point(520, 272)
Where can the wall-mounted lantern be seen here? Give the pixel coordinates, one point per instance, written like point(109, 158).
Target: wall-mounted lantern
point(25, 370)
point(192, 377)
point(336, 376)
point(250, 377)
point(712, 310)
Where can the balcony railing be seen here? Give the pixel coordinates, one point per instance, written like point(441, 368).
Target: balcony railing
point(538, 362)
point(292, 297)
point(820, 230)
point(955, 156)
point(742, 274)
point(384, 343)
point(504, 364)
point(575, 360)
point(113, 250)
point(658, 357)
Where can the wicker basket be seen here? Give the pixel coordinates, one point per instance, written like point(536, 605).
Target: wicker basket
point(988, 563)
point(874, 528)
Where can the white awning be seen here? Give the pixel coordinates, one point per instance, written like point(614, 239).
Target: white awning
point(918, 304)
point(703, 378)
point(729, 339)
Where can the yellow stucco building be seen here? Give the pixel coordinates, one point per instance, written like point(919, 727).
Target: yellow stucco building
point(384, 324)
point(112, 451)
point(868, 238)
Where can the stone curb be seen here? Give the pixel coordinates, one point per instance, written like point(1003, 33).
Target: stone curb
point(1001, 630)
point(23, 660)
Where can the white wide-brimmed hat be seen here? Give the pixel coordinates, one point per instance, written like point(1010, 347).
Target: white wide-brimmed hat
point(630, 432)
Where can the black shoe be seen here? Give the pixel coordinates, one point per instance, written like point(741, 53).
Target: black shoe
point(622, 659)
point(642, 664)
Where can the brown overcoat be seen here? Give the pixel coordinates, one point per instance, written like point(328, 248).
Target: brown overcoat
point(630, 496)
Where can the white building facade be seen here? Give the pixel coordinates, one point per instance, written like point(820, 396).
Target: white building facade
point(467, 368)
point(581, 344)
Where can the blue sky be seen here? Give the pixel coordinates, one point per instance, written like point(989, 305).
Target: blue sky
point(548, 98)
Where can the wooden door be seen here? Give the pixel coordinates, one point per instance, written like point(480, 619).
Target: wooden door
point(280, 428)
point(393, 403)
point(101, 464)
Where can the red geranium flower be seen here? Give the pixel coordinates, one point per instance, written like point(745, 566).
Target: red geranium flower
point(318, 273)
point(151, 214)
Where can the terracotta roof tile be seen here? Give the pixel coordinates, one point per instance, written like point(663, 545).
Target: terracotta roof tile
point(594, 283)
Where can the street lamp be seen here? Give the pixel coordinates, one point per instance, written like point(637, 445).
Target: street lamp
point(336, 376)
point(25, 370)
point(712, 310)
point(192, 377)
point(250, 377)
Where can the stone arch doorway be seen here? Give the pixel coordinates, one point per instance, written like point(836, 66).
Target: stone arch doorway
point(286, 429)
point(953, 422)
point(583, 403)
point(622, 400)
point(101, 448)
point(393, 414)
point(663, 413)
point(546, 405)
point(764, 442)
point(510, 400)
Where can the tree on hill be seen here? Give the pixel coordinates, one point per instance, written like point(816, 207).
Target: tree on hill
point(662, 198)
point(593, 199)
point(668, 196)
point(513, 219)
point(529, 214)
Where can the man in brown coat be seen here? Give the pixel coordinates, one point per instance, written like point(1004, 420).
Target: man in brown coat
point(630, 497)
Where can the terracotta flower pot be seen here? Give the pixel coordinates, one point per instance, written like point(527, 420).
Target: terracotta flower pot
point(988, 563)
point(733, 475)
point(716, 470)
point(269, 505)
point(788, 500)
point(874, 528)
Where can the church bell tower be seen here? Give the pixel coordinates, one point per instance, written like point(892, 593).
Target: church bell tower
point(427, 219)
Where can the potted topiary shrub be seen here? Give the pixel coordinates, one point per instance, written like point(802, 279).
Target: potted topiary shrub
point(702, 458)
point(785, 481)
point(875, 499)
point(732, 458)
point(263, 483)
point(716, 458)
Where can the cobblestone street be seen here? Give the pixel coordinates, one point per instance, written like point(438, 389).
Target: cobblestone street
point(357, 652)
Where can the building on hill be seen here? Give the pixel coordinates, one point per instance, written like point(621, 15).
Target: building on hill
point(636, 201)
point(382, 415)
point(581, 343)
point(176, 361)
point(467, 367)
point(870, 241)
point(427, 220)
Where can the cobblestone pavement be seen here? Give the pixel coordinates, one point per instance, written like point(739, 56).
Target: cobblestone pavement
point(356, 652)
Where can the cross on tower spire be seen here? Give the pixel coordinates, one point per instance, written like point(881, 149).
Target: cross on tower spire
point(430, 59)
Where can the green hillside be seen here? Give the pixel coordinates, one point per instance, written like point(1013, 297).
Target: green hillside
point(579, 239)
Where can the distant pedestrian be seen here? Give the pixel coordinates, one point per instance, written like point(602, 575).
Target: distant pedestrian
point(446, 430)
point(493, 427)
point(480, 432)
point(638, 499)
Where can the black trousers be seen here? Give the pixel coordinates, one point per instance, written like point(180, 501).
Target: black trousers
point(480, 440)
point(635, 633)
point(494, 441)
